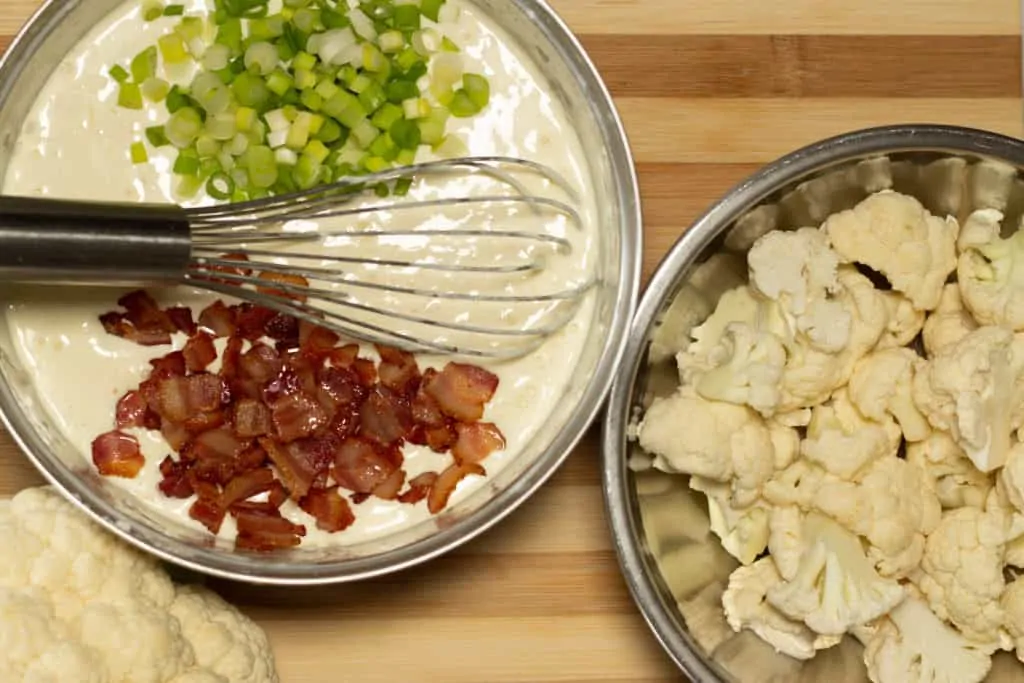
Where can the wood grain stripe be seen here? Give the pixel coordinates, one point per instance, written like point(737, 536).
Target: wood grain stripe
point(722, 130)
point(807, 66)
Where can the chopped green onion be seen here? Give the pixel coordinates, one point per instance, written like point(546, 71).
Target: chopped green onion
point(406, 157)
point(305, 79)
point(311, 100)
point(400, 91)
point(138, 153)
point(372, 97)
point(403, 185)
point(375, 165)
point(362, 24)
point(129, 96)
point(426, 42)
point(220, 186)
point(188, 186)
point(173, 48)
point(206, 146)
point(157, 137)
point(391, 41)
point(174, 10)
point(304, 60)
point(364, 132)
point(462, 105)
point(407, 17)
point(152, 10)
point(306, 20)
point(448, 45)
point(211, 93)
point(431, 9)
point(279, 82)
point(184, 127)
point(155, 89)
point(261, 58)
point(477, 88)
point(230, 35)
point(286, 157)
point(432, 128)
point(405, 133)
point(333, 19)
point(187, 163)
point(222, 126)
point(191, 28)
point(416, 108)
point(386, 116)
point(119, 73)
point(251, 91)
point(262, 166)
point(144, 64)
point(306, 172)
point(177, 99)
point(216, 57)
point(329, 132)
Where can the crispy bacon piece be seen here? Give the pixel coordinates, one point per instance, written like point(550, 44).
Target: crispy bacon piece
point(175, 434)
point(385, 416)
point(283, 328)
point(199, 352)
point(476, 440)
point(180, 398)
point(445, 484)
point(251, 418)
point(251, 320)
point(260, 363)
point(133, 411)
point(117, 454)
point(175, 482)
point(398, 370)
point(461, 390)
point(171, 365)
point(299, 415)
point(218, 319)
point(117, 324)
point(247, 485)
point(390, 487)
point(361, 465)
point(315, 342)
point(231, 358)
point(265, 531)
point(300, 463)
point(221, 442)
point(206, 508)
point(286, 279)
point(144, 313)
point(340, 388)
point(331, 511)
point(208, 268)
point(418, 489)
point(344, 356)
point(181, 317)
point(201, 422)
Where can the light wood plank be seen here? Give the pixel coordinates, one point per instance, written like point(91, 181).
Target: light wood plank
point(761, 129)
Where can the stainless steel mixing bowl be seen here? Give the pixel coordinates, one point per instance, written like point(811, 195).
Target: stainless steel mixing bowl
point(43, 44)
point(675, 568)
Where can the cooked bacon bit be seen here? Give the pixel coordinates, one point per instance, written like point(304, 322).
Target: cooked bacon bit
point(462, 390)
point(286, 279)
point(205, 269)
point(444, 486)
point(289, 414)
point(298, 415)
point(398, 370)
point(418, 489)
point(251, 418)
point(181, 317)
point(218, 319)
point(390, 487)
point(331, 511)
point(171, 365)
point(117, 454)
point(199, 352)
point(361, 465)
point(262, 531)
point(133, 411)
point(385, 416)
point(476, 440)
point(175, 482)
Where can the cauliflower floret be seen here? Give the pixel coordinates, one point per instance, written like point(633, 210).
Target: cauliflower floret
point(1012, 477)
point(786, 539)
point(742, 531)
point(749, 370)
point(798, 269)
point(1012, 604)
point(949, 323)
point(737, 305)
point(967, 389)
point(842, 441)
point(785, 443)
point(905, 321)
point(961, 572)
point(957, 482)
point(895, 235)
point(724, 442)
point(835, 588)
point(746, 608)
point(991, 272)
point(912, 645)
point(881, 385)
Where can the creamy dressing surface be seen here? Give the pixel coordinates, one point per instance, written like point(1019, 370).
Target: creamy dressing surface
point(75, 144)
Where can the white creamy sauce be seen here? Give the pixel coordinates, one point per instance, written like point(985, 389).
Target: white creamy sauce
point(75, 144)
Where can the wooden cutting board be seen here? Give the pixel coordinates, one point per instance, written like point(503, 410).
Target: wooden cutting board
point(708, 91)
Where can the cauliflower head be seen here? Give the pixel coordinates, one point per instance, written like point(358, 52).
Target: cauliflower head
point(990, 271)
point(881, 385)
point(746, 608)
point(905, 321)
point(722, 442)
point(895, 235)
point(949, 323)
point(961, 573)
point(742, 531)
point(957, 482)
point(843, 441)
point(912, 645)
point(835, 587)
point(74, 595)
point(737, 305)
point(749, 370)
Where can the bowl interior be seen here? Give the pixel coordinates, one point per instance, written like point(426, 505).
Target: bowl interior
point(42, 46)
point(676, 567)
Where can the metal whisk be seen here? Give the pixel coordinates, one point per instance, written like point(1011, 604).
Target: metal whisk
point(498, 305)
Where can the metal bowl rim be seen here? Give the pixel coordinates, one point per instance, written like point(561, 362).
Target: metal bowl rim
point(630, 226)
point(791, 168)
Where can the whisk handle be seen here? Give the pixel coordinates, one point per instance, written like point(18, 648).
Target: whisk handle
point(77, 242)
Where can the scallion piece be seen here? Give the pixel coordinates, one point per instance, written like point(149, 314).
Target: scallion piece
point(129, 96)
point(176, 99)
point(216, 57)
point(230, 35)
point(119, 73)
point(184, 127)
point(329, 132)
point(152, 10)
point(431, 9)
point(220, 186)
point(477, 88)
point(157, 137)
point(406, 17)
point(386, 116)
point(251, 91)
point(174, 10)
point(206, 146)
point(405, 133)
point(191, 28)
point(403, 185)
point(262, 166)
point(138, 153)
point(432, 128)
point(261, 58)
point(155, 89)
point(364, 132)
point(187, 163)
point(279, 82)
point(462, 105)
point(173, 48)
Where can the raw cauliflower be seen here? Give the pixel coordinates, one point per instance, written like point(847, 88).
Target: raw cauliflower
point(843, 441)
point(746, 608)
point(749, 369)
point(881, 385)
point(895, 235)
point(949, 323)
point(743, 532)
point(1012, 604)
point(73, 596)
point(835, 587)
point(957, 482)
point(737, 305)
point(723, 442)
point(990, 272)
point(905, 321)
point(912, 645)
